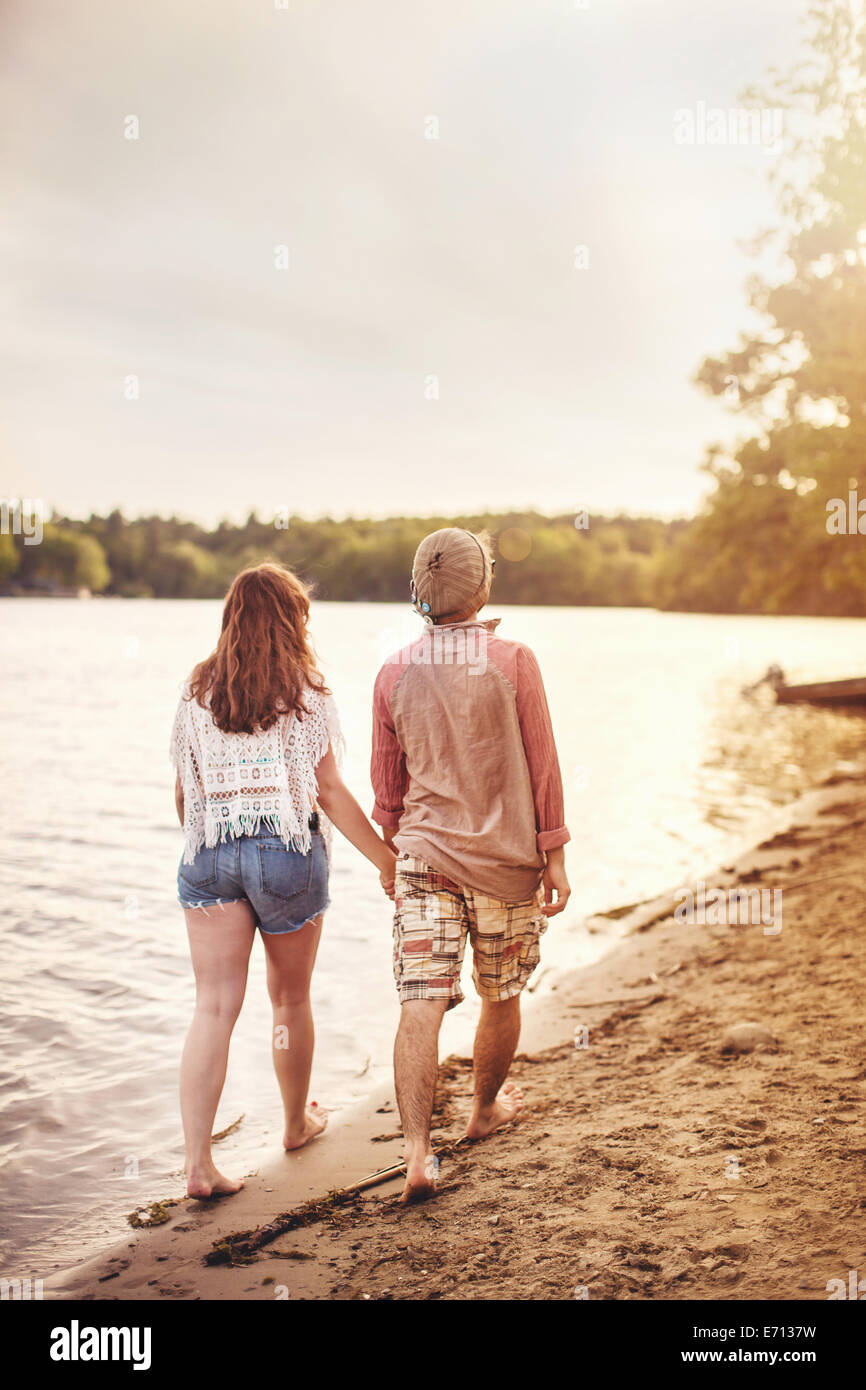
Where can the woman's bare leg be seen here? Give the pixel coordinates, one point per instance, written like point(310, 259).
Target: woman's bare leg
point(220, 940)
point(291, 958)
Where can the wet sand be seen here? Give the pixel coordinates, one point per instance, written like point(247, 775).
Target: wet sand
point(649, 1163)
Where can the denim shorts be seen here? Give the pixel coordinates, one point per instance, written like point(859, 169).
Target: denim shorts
point(284, 888)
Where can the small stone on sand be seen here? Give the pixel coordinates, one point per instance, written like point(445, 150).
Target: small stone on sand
point(747, 1037)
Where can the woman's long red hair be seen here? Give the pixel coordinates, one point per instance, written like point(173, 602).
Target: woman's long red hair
point(263, 662)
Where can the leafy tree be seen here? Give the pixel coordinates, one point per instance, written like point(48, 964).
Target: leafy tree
point(799, 382)
point(183, 569)
point(66, 558)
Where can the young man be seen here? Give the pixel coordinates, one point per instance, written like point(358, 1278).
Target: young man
point(468, 791)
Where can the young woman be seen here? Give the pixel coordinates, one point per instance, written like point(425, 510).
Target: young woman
point(254, 745)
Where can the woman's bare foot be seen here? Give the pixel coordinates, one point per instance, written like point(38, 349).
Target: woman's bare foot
point(421, 1170)
point(210, 1182)
point(315, 1123)
point(506, 1107)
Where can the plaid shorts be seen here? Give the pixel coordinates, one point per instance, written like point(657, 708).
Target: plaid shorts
point(431, 920)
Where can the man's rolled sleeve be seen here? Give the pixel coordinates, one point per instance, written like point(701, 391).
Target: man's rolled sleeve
point(552, 839)
point(388, 763)
point(541, 756)
point(389, 819)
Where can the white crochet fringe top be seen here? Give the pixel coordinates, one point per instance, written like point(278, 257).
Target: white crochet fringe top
point(238, 784)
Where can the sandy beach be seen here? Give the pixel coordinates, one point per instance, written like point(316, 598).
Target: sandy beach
point(651, 1160)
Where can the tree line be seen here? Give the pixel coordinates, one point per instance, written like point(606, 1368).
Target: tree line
point(564, 559)
point(620, 561)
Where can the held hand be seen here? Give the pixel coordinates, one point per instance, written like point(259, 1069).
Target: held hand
point(386, 875)
point(555, 881)
point(343, 811)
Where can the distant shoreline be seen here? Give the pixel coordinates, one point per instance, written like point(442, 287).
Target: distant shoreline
point(85, 595)
point(575, 559)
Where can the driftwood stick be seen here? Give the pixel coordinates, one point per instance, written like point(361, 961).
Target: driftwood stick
point(648, 997)
point(396, 1170)
point(241, 1247)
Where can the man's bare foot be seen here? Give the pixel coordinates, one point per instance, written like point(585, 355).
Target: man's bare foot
point(210, 1182)
point(421, 1171)
point(506, 1107)
point(315, 1123)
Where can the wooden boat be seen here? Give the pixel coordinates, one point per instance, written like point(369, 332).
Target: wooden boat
point(848, 692)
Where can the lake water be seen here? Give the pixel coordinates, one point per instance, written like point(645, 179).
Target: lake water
point(667, 771)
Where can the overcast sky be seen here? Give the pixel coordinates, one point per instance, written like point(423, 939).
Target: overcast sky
point(409, 258)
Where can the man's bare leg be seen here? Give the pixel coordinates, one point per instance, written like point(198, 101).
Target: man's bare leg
point(416, 1067)
point(496, 1039)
